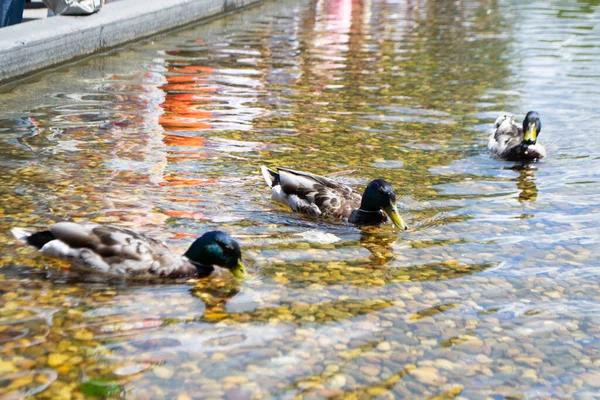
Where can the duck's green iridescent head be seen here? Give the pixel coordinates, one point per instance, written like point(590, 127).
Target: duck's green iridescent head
point(532, 126)
point(380, 195)
point(217, 248)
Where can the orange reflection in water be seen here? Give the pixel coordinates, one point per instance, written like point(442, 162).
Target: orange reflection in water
point(181, 140)
point(187, 92)
point(184, 111)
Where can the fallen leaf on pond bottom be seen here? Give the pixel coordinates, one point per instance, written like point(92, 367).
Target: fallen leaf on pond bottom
point(99, 387)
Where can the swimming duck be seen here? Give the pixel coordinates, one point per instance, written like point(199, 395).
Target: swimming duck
point(321, 197)
point(515, 143)
point(125, 253)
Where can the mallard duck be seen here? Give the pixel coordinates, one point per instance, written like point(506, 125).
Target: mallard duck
point(125, 253)
point(515, 143)
point(321, 197)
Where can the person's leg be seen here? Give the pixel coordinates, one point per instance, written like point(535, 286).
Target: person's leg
point(11, 12)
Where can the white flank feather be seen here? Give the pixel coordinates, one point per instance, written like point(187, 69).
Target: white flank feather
point(57, 249)
point(293, 202)
point(278, 195)
point(493, 145)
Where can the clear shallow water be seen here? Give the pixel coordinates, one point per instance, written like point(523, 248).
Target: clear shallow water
point(494, 291)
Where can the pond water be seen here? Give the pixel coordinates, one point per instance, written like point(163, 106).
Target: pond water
point(494, 292)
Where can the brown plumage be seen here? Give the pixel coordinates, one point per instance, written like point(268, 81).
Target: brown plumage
point(310, 194)
point(121, 252)
point(508, 139)
point(322, 197)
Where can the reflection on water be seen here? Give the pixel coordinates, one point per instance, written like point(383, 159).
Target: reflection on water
point(380, 246)
point(526, 183)
point(493, 292)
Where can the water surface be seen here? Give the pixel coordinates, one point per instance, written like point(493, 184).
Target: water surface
point(493, 292)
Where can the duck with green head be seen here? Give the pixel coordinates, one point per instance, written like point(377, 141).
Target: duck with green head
point(512, 142)
point(322, 197)
point(128, 254)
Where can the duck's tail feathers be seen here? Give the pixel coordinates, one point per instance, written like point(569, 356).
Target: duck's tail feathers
point(37, 239)
point(21, 234)
point(271, 177)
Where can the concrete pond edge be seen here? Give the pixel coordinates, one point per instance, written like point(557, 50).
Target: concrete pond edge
point(32, 46)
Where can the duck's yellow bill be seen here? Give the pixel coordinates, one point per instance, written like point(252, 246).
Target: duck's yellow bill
point(239, 271)
point(392, 212)
point(531, 134)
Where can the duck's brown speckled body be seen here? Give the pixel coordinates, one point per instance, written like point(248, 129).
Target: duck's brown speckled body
point(513, 142)
point(122, 252)
point(322, 197)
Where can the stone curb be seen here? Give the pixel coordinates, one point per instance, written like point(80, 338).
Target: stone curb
point(32, 46)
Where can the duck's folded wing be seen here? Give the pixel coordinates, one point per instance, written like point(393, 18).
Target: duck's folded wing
point(108, 241)
point(505, 137)
point(509, 129)
point(291, 181)
point(114, 251)
point(316, 195)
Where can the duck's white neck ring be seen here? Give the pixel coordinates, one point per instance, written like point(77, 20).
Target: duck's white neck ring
point(368, 211)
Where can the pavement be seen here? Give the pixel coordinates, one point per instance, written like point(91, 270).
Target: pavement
point(40, 42)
